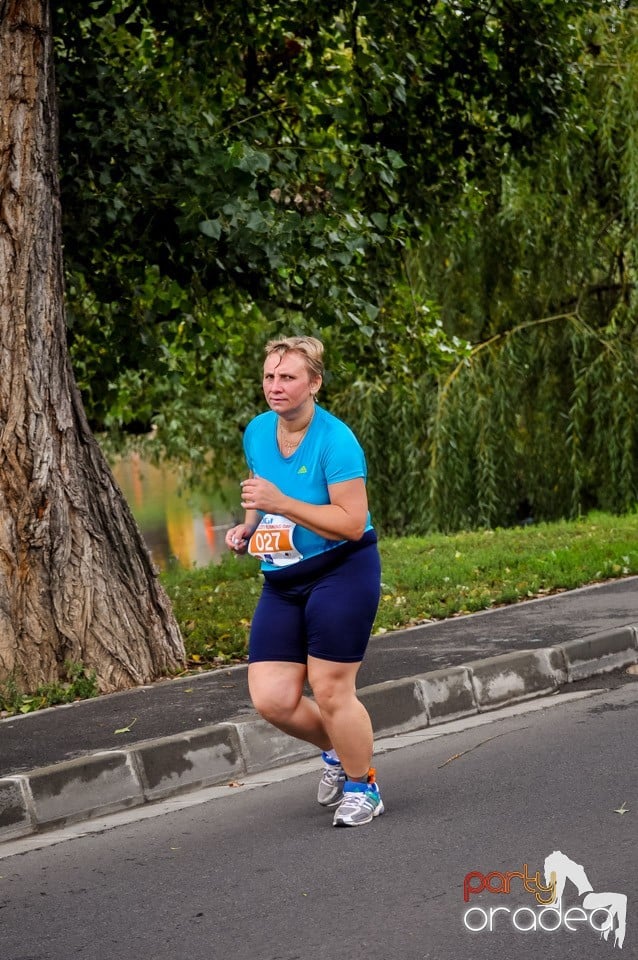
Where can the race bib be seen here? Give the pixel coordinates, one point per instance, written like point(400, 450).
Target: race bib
point(273, 542)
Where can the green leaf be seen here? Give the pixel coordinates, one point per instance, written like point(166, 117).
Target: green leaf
point(211, 228)
point(129, 728)
point(396, 160)
point(254, 162)
point(257, 222)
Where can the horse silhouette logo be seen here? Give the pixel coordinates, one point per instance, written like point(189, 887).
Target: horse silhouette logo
point(559, 869)
point(605, 911)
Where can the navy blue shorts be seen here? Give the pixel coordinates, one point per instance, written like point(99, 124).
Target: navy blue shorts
point(325, 612)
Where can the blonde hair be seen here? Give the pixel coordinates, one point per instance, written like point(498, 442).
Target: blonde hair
point(309, 347)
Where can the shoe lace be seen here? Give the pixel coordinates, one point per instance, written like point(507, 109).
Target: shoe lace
point(332, 774)
point(350, 803)
point(356, 798)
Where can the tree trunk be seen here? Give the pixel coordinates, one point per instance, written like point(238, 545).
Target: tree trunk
point(76, 580)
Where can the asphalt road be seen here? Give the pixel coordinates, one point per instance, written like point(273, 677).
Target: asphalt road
point(262, 875)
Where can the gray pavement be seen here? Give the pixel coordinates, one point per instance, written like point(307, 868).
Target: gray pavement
point(259, 873)
point(125, 749)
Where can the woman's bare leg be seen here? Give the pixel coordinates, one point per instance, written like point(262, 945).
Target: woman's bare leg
point(276, 690)
point(344, 717)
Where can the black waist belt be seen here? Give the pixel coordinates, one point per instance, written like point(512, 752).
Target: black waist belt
point(321, 563)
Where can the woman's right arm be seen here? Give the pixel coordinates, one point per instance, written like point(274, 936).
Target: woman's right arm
point(237, 537)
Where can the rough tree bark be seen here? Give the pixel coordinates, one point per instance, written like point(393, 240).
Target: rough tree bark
point(76, 580)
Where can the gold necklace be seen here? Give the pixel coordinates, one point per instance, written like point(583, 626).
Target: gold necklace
point(291, 445)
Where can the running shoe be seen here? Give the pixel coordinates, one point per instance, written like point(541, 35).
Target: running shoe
point(361, 803)
point(330, 792)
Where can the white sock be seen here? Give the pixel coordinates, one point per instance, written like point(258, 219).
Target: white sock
point(332, 754)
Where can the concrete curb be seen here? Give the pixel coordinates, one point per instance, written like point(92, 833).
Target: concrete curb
point(111, 780)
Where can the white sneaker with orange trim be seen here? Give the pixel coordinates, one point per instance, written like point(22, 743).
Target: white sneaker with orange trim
point(361, 803)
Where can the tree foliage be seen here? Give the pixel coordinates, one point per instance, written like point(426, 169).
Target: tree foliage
point(539, 271)
point(233, 170)
point(424, 185)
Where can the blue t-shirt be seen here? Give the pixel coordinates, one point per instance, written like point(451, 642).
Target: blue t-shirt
point(329, 453)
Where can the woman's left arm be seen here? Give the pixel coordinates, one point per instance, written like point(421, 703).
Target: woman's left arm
point(344, 518)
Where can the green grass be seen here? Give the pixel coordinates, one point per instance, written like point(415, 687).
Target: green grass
point(79, 685)
point(213, 606)
point(424, 578)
